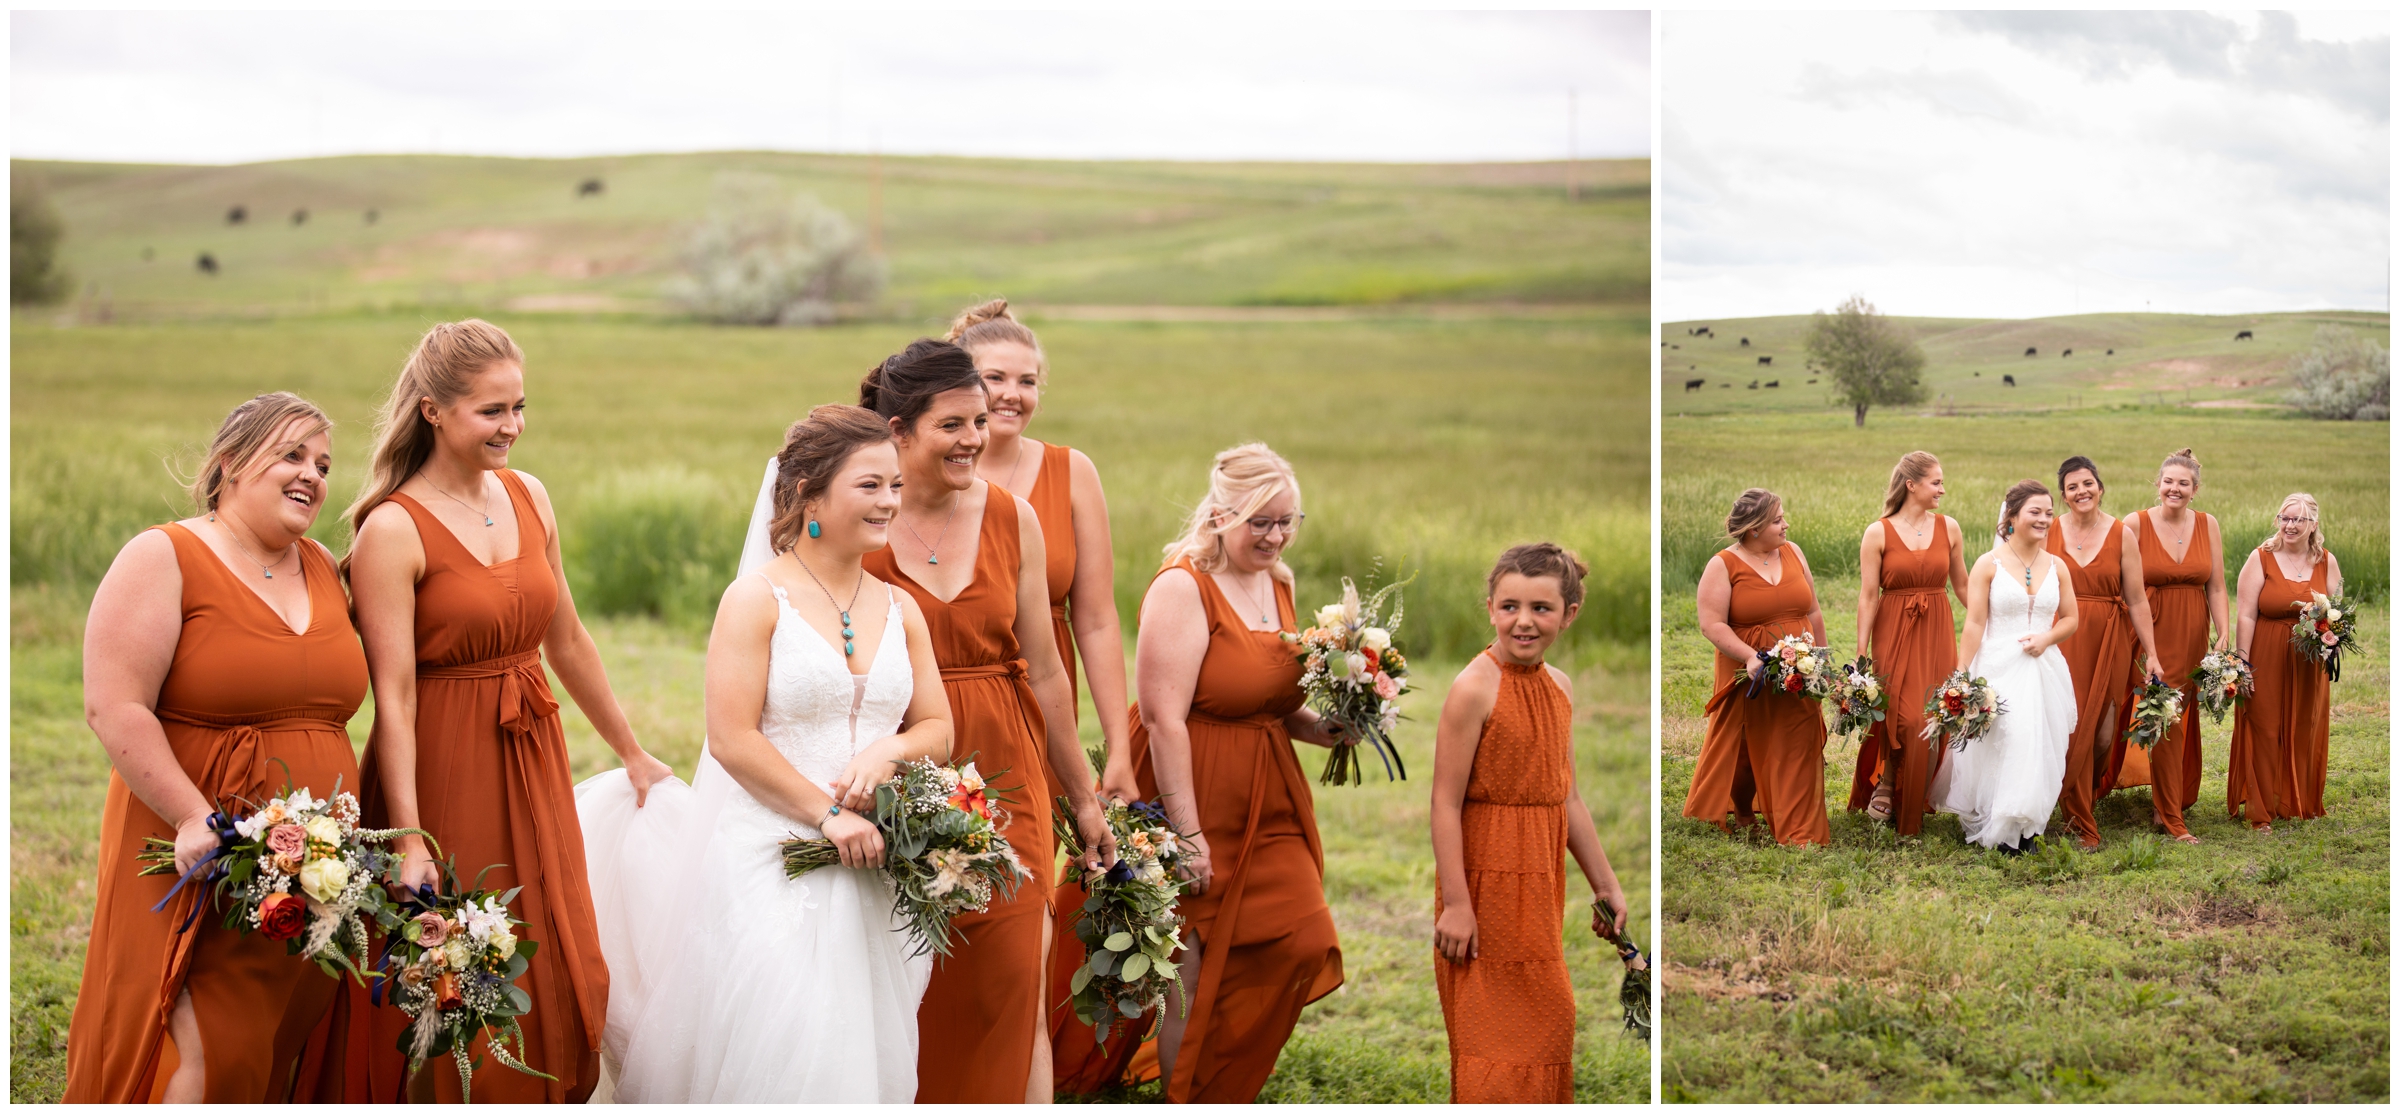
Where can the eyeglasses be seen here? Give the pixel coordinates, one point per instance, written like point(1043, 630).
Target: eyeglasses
point(1289, 525)
point(2293, 520)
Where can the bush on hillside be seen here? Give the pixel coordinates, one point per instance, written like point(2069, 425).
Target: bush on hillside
point(33, 233)
point(765, 256)
point(661, 542)
point(2344, 377)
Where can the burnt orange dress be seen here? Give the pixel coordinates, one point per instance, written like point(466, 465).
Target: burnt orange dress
point(1270, 947)
point(975, 1025)
point(2178, 593)
point(2101, 657)
point(1510, 1011)
point(2281, 735)
point(1915, 647)
point(1765, 754)
point(493, 787)
point(243, 692)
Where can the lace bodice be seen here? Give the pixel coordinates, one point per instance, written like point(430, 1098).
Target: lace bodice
point(2015, 614)
point(817, 713)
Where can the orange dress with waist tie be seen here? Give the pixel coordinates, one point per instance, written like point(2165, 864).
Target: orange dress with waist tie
point(2276, 770)
point(2178, 594)
point(1915, 647)
point(1764, 753)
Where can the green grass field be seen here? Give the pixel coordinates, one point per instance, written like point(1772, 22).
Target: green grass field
point(491, 232)
point(2119, 360)
point(1431, 443)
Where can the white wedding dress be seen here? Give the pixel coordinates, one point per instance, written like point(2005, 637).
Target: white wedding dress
point(2003, 786)
point(729, 981)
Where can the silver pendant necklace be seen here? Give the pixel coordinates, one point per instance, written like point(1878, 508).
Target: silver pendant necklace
point(1263, 611)
point(932, 554)
point(264, 569)
point(483, 510)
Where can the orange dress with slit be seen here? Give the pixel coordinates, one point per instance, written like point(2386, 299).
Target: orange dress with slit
point(2178, 593)
point(975, 1026)
point(1269, 946)
point(1915, 647)
point(2101, 657)
point(244, 701)
point(2280, 737)
point(1764, 753)
point(494, 790)
point(1510, 1011)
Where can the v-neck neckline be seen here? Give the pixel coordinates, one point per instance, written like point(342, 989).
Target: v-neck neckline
point(1781, 569)
point(2031, 592)
point(455, 540)
point(1934, 519)
point(2162, 537)
point(890, 604)
point(307, 589)
point(2097, 550)
point(975, 570)
point(2307, 579)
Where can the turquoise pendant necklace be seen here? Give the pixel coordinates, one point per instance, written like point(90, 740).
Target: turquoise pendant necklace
point(848, 647)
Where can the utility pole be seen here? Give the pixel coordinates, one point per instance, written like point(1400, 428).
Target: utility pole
point(875, 195)
point(1574, 188)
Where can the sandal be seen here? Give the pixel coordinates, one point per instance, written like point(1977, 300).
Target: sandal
point(1879, 806)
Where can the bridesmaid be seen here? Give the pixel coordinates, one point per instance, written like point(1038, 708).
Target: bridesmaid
point(218, 661)
point(2107, 575)
point(460, 590)
point(1905, 559)
point(1064, 491)
point(2183, 573)
point(972, 555)
point(2277, 769)
point(1506, 813)
point(1763, 754)
point(1220, 704)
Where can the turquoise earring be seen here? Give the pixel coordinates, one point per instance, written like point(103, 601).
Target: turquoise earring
point(814, 530)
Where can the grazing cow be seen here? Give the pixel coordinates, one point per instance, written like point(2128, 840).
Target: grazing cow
point(2243, 335)
point(2066, 353)
point(148, 254)
point(2030, 351)
point(2111, 352)
point(1774, 383)
point(236, 215)
point(207, 264)
point(2011, 380)
point(299, 217)
point(1754, 384)
point(1694, 384)
point(1676, 347)
point(1765, 360)
point(1724, 386)
point(373, 216)
point(1979, 375)
point(1745, 342)
point(1812, 382)
point(590, 187)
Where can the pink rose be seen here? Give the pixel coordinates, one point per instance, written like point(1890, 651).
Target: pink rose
point(1385, 686)
point(431, 929)
point(287, 841)
point(2332, 639)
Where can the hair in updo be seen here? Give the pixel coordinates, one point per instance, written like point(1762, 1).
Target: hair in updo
point(814, 450)
point(1242, 480)
point(1912, 468)
point(1757, 507)
point(2182, 458)
point(249, 437)
point(903, 386)
point(991, 323)
point(1540, 559)
point(2013, 502)
point(2074, 464)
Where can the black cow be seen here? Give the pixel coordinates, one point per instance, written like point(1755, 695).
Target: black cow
point(2243, 335)
point(1812, 382)
point(590, 187)
point(236, 215)
point(1774, 383)
point(148, 255)
point(2029, 351)
point(1765, 360)
point(1979, 375)
point(1754, 384)
point(1745, 342)
point(1677, 347)
point(207, 264)
point(1724, 386)
point(373, 216)
point(299, 217)
point(2011, 380)
point(2066, 353)
point(2111, 352)
point(1694, 384)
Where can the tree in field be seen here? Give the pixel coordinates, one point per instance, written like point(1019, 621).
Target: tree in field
point(1872, 361)
point(2343, 376)
point(33, 234)
point(766, 256)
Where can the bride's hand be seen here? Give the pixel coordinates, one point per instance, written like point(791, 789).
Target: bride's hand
point(2032, 644)
point(858, 842)
point(854, 787)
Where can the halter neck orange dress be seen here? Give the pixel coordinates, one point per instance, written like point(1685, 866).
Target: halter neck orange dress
point(1510, 1011)
point(2178, 593)
point(2100, 656)
point(2280, 737)
point(1763, 754)
point(243, 694)
point(1915, 647)
point(975, 1025)
point(493, 787)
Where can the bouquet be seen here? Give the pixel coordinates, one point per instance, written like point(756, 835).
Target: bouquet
point(2156, 707)
point(2224, 681)
point(1633, 994)
point(1962, 710)
point(942, 846)
point(297, 869)
point(2327, 626)
point(451, 961)
point(1858, 698)
point(1796, 666)
point(1130, 926)
point(1354, 677)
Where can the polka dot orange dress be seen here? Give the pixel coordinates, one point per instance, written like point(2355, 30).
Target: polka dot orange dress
point(1510, 1010)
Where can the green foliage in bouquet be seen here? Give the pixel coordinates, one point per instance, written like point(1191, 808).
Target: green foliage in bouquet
point(2156, 707)
point(1354, 675)
point(943, 849)
point(1130, 927)
point(451, 963)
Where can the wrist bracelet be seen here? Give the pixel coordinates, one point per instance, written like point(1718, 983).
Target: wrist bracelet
point(830, 812)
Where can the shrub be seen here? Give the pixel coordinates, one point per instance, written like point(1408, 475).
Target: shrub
point(33, 234)
point(662, 541)
point(2343, 376)
point(766, 257)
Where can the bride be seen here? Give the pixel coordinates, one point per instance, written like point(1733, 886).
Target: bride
point(2003, 786)
point(731, 982)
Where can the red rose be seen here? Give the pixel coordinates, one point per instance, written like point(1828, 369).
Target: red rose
point(1792, 683)
point(282, 916)
point(1374, 660)
point(2323, 626)
point(445, 992)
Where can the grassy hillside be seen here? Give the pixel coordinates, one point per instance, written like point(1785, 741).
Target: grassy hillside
point(490, 232)
point(2118, 360)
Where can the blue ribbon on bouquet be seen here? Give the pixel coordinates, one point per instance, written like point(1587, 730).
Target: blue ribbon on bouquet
point(208, 869)
point(422, 898)
point(1758, 677)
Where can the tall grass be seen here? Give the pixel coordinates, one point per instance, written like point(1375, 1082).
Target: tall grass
point(660, 542)
point(1832, 477)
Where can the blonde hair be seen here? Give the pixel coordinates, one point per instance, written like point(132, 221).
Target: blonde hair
point(2316, 530)
point(446, 360)
point(1912, 468)
point(1241, 481)
point(1754, 509)
point(249, 436)
point(2182, 458)
point(991, 323)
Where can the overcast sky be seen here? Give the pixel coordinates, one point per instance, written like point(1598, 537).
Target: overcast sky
point(2024, 164)
point(219, 88)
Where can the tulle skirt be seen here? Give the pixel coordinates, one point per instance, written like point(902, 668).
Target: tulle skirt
point(2003, 786)
point(739, 984)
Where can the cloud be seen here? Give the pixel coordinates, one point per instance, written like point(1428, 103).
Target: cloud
point(2354, 75)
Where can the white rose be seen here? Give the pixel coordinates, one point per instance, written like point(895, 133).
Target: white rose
point(1355, 664)
point(2334, 615)
point(324, 829)
point(1808, 666)
point(324, 879)
point(505, 944)
point(457, 953)
point(1376, 639)
point(1329, 616)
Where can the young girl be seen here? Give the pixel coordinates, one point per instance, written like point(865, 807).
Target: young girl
point(1505, 812)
